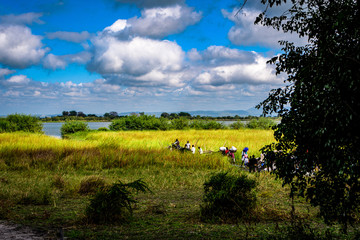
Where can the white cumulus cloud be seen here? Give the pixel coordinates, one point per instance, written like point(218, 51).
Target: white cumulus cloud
point(160, 22)
point(155, 22)
point(138, 59)
point(18, 79)
point(54, 62)
point(19, 48)
point(246, 33)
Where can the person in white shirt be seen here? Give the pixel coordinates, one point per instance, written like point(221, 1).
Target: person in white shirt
point(187, 145)
point(200, 150)
point(193, 149)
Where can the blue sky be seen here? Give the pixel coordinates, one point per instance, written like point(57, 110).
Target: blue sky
point(98, 56)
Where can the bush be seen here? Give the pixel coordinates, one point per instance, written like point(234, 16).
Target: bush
point(144, 122)
point(179, 123)
point(73, 127)
point(201, 124)
point(261, 123)
point(114, 203)
point(103, 129)
point(20, 122)
point(237, 125)
point(227, 198)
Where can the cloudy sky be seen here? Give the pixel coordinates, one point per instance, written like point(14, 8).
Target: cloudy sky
point(98, 56)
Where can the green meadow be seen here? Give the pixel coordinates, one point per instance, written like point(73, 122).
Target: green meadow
point(42, 185)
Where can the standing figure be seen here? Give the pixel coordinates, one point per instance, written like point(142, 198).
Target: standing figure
point(245, 156)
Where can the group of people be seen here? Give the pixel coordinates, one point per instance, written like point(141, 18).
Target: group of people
point(229, 152)
point(248, 162)
point(187, 147)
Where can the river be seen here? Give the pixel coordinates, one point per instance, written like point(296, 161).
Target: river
point(53, 128)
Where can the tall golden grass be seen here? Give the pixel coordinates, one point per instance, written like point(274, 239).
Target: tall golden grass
point(105, 150)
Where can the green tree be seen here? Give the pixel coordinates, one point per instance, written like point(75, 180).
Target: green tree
point(71, 127)
point(73, 113)
point(319, 106)
point(165, 115)
point(173, 115)
point(184, 114)
point(81, 114)
point(20, 122)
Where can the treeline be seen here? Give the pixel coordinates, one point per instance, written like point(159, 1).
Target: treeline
point(109, 116)
point(146, 122)
point(27, 123)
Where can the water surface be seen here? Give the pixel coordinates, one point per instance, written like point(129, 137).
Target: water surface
point(53, 128)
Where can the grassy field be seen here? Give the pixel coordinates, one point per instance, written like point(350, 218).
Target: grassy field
point(41, 179)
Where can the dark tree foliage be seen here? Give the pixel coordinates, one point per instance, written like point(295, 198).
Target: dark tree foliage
point(165, 115)
point(81, 114)
point(184, 114)
point(319, 131)
point(72, 113)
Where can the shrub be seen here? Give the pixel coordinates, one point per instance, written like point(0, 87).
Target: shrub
point(91, 184)
point(213, 125)
point(179, 123)
point(144, 122)
point(237, 125)
point(20, 122)
point(103, 129)
point(261, 123)
point(202, 124)
point(227, 197)
point(114, 203)
point(73, 127)
point(118, 125)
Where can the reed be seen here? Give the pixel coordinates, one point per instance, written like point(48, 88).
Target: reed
point(105, 150)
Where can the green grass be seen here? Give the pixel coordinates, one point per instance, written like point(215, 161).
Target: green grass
point(40, 178)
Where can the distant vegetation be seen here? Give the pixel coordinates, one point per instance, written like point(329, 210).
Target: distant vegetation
point(20, 122)
point(73, 124)
point(109, 116)
point(146, 122)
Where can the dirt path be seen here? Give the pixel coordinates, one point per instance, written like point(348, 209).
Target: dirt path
point(10, 231)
